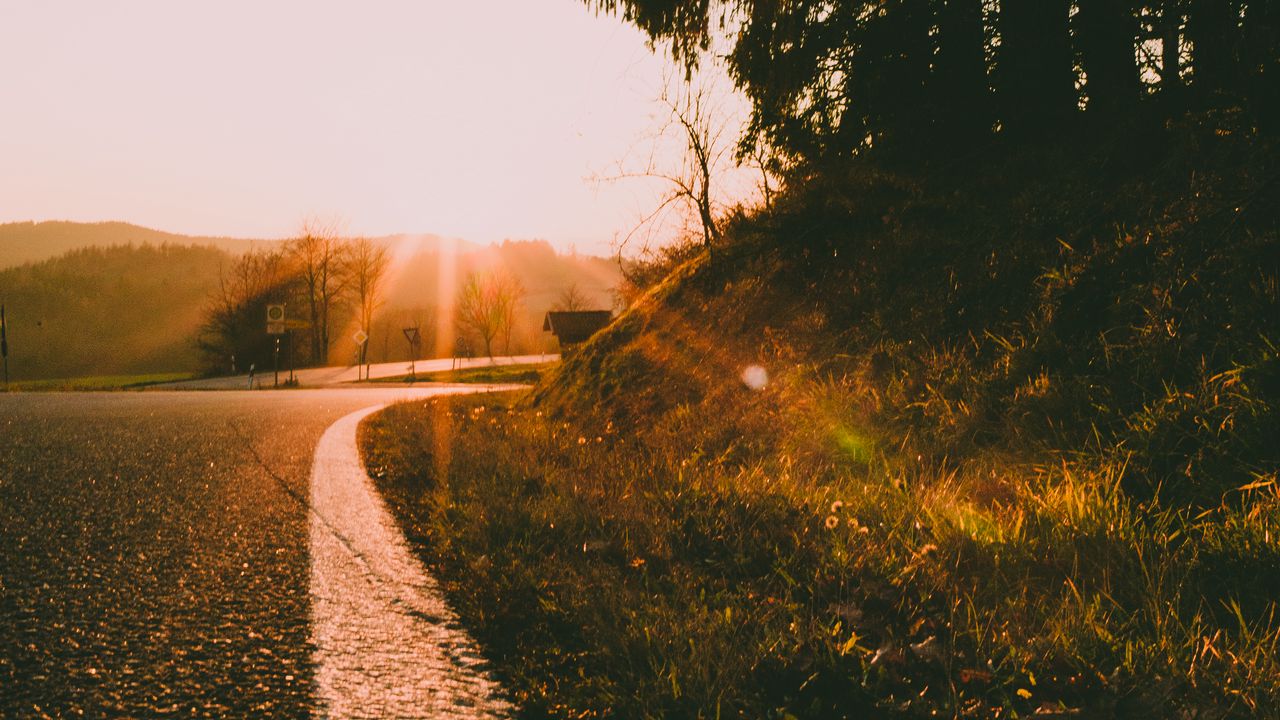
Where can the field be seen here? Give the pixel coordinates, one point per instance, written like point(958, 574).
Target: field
point(98, 382)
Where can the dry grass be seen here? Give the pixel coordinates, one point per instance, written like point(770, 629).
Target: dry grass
point(1015, 455)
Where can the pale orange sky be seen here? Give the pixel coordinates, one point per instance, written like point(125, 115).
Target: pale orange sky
point(476, 119)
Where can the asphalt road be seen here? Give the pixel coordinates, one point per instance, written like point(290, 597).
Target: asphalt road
point(154, 551)
point(337, 375)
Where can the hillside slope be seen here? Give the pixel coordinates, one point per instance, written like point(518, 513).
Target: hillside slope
point(995, 441)
point(1130, 313)
point(103, 311)
point(26, 242)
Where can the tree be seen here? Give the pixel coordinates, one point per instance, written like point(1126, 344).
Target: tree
point(830, 79)
point(1106, 32)
point(511, 296)
point(487, 306)
point(235, 318)
point(1036, 75)
point(367, 264)
point(1262, 58)
point(694, 124)
point(1169, 31)
point(571, 299)
point(960, 85)
point(319, 255)
point(1213, 26)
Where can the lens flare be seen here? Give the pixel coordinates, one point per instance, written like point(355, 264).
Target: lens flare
point(755, 377)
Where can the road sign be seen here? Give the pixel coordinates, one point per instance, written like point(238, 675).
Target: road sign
point(415, 341)
point(275, 319)
point(361, 337)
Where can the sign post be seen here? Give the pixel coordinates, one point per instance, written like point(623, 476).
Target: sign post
point(4, 346)
point(275, 319)
point(275, 326)
point(362, 341)
point(414, 338)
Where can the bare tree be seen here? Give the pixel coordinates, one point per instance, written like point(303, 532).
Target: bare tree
point(319, 255)
point(571, 299)
point(487, 307)
point(236, 314)
point(511, 294)
point(698, 126)
point(757, 154)
point(367, 264)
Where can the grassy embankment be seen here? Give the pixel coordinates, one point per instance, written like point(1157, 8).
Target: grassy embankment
point(1017, 453)
point(99, 382)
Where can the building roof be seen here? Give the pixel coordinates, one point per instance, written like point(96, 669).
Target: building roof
point(573, 327)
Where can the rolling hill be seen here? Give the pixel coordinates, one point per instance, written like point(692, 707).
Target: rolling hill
point(25, 242)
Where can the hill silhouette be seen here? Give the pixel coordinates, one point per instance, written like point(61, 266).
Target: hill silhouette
point(25, 242)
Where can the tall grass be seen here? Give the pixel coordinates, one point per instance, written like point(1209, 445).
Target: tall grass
point(610, 575)
point(1016, 454)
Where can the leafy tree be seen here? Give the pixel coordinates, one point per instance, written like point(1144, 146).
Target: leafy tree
point(916, 78)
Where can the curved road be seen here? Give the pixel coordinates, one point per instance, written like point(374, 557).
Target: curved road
point(338, 374)
point(155, 552)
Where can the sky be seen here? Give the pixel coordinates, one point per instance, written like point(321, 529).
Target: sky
point(477, 120)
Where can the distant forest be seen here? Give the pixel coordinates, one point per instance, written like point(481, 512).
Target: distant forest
point(102, 311)
point(27, 242)
point(137, 307)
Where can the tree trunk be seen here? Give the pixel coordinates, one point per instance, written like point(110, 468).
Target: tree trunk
point(1036, 67)
point(1171, 53)
point(1262, 58)
point(1213, 26)
point(889, 77)
point(960, 88)
point(1106, 37)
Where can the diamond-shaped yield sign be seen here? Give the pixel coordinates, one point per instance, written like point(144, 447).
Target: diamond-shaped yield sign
point(361, 337)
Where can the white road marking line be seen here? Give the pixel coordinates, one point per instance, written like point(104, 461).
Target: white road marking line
point(386, 643)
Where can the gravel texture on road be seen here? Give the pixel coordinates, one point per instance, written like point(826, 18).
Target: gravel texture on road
point(154, 551)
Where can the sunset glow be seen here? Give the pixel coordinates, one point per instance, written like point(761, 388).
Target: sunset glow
point(480, 121)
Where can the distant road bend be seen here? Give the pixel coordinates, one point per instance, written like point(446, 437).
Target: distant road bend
point(214, 555)
point(339, 375)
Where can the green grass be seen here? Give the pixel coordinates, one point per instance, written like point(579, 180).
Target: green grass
point(99, 382)
point(613, 575)
point(496, 374)
point(1016, 454)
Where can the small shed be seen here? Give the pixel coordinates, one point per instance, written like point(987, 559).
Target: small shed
point(574, 327)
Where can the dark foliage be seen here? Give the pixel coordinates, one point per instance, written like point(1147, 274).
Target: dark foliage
point(923, 79)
